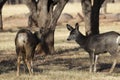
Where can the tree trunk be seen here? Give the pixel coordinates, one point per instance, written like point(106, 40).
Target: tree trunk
point(32, 19)
point(17, 2)
point(86, 8)
point(48, 42)
point(104, 6)
point(45, 13)
point(91, 15)
point(1, 23)
point(95, 16)
point(2, 2)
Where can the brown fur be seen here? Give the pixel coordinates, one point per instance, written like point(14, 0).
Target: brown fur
point(25, 43)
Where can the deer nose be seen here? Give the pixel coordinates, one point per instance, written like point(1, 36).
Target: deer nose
point(68, 39)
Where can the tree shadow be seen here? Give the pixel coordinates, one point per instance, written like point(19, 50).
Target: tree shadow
point(69, 50)
point(68, 64)
point(7, 65)
point(81, 63)
point(106, 67)
point(61, 59)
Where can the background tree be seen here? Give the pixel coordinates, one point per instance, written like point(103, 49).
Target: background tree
point(104, 5)
point(44, 14)
point(2, 2)
point(91, 12)
point(15, 1)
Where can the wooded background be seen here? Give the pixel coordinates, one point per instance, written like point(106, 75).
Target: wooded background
point(22, 1)
point(45, 14)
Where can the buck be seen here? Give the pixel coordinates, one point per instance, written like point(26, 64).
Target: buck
point(26, 43)
point(97, 44)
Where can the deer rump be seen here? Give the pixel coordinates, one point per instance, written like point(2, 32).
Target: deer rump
point(25, 41)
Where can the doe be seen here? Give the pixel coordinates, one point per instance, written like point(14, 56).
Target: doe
point(25, 43)
point(97, 44)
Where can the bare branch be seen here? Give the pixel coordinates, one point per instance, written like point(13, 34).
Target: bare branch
point(57, 12)
point(2, 2)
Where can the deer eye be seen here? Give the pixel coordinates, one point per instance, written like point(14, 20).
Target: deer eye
point(73, 32)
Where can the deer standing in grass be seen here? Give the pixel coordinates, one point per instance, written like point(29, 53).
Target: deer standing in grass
point(25, 43)
point(97, 44)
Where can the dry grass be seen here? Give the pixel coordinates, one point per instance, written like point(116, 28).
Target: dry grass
point(71, 63)
point(7, 41)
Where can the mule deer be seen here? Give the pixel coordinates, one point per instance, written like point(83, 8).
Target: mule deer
point(97, 44)
point(25, 43)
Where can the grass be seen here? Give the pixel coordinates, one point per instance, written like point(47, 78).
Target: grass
point(7, 41)
point(71, 63)
point(62, 75)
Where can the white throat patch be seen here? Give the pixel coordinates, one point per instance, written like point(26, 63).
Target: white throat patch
point(118, 40)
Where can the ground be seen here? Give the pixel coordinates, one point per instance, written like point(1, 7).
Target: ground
point(70, 63)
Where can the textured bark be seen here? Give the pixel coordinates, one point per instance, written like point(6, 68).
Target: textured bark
point(1, 23)
point(95, 16)
point(2, 2)
point(91, 15)
point(32, 5)
point(86, 8)
point(45, 13)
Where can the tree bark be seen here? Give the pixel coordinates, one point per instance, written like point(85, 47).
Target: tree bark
point(51, 25)
point(91, 15)
point(95, 16)
point(1, 23)
point(2, 2)
point(45, 14)
point(32, 19)
point(86, 8)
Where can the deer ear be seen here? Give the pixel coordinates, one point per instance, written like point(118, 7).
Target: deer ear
point(70, 28)
point(77, 26)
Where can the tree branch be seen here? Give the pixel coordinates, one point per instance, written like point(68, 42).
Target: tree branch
point(95, 16)
point(57, 12)
point(98, 3)
point(86, 9)
point(2, 2)
point(32, 4)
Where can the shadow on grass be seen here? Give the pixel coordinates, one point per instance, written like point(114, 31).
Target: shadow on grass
point(8, 62)
point(79, 63)
point(7, 65)
point(68, 50)
point(106, 67)
point(63, 60)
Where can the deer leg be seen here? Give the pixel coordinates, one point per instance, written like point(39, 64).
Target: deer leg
point(25, 65)
point(28, 66)
point(18, 65)
point(95, 63)
point(113, 66)
point(91, 61)
point(31, 66)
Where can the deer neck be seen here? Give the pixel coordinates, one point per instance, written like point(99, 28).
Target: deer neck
point(81, 40)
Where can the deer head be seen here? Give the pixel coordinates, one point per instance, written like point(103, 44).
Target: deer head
point(74, 32)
